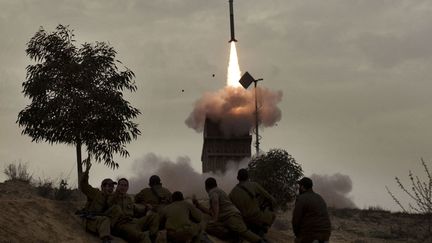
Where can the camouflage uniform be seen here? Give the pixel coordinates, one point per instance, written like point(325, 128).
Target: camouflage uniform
point(157, 196)
point(182, 222)
point(122, 212)
point(229, 218)
point(249, 197)
point(94, 219)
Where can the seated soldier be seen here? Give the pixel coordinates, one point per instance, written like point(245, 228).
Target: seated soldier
point(157, 196)
point(124, 212)
point(251, 199)
point(93, 214)
point(181, 220)
point(226, 218)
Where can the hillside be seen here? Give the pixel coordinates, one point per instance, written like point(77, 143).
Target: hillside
point(28, 217)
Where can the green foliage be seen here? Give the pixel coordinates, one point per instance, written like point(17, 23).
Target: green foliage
point(18, 172)
point(76, 96)
point(278, 172)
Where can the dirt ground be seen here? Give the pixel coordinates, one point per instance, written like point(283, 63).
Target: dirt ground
point(28, 217)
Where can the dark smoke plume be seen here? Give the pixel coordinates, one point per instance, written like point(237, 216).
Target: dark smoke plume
point(234, 109)
point(179, 175)
point(334, 189)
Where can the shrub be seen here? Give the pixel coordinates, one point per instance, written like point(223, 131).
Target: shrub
point(420, 193)
point(18, 172)
point(278, 172)
point(45, 188)
point(62, 192)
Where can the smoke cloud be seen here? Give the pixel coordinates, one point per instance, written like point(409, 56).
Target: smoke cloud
point(179, 175)
point(334, 189)
point(234, 109)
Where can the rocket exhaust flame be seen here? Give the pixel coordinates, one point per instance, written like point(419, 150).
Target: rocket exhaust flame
point(233, 74)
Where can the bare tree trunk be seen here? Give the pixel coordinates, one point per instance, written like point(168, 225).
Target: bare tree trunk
point(79, 162)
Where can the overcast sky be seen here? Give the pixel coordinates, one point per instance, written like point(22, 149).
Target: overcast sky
point(355, 77)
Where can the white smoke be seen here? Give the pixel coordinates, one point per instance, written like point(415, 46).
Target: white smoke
point(334, 189)
point(180, 176)
point(234, 109)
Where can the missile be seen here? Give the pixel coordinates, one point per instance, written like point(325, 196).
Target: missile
point(231, 9)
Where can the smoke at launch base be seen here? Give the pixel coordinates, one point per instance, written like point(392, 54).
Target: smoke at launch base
point(233, 107)
point(178, 175)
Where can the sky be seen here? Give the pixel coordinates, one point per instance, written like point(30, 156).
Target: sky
point(354, 74)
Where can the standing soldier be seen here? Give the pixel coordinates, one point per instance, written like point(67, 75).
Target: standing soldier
point(157, 196)
point(310, 220)
point(225, 217)
point(254, 202)
point(93, 214)
point(181, 220)
point(125, 214)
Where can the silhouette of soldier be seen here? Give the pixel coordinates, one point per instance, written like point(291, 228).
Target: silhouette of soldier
point(128, 219)
point(225, 217)
point(310, 220)
point(94, 218)
point(156, 195)
point(181, 220)
point(254, 202)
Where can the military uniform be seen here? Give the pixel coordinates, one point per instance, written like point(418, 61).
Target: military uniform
point(157, 196)
point(229, 218)
point(122, 212)
point(310, 220)
point(94, 219)
point(249, 197)
point(182, 222)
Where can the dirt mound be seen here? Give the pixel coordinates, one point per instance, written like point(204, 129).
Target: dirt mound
point(28, 217)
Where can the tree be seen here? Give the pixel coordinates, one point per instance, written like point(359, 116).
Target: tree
point(278, 172)
point(76, 97)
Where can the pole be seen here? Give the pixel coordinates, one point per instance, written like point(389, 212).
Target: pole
point(256, 120)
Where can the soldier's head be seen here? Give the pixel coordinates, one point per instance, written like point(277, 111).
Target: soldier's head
point(154, 180)
point(177, 196)
point(210, 183)
point(107, 185)
point(305, 184)
point(122, 186)
point(242, 175)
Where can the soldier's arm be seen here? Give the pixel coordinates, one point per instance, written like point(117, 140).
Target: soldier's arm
point(199, 206)
point(266, 195)
point(140, 209)
point(195, 214)
point(86, 188)
point(214, 208)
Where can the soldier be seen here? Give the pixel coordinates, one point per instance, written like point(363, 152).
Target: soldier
point(225, 217)
point(181, 220)
point(310, 220)
point(93, 214)
point(124, 213)
point(254, 202)
point(157, 196)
